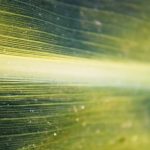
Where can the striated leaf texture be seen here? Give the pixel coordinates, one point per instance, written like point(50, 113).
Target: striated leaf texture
point(74, 74)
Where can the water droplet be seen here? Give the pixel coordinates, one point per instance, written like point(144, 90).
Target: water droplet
point(82, 107)
point(55, 134)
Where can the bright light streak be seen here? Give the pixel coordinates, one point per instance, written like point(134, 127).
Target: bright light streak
point(76, 70)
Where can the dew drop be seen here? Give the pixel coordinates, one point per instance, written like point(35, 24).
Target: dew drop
point(55, 134)
point(82, 107)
